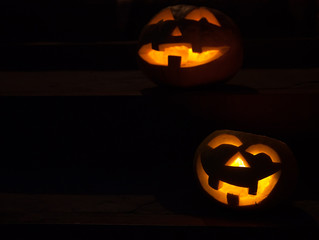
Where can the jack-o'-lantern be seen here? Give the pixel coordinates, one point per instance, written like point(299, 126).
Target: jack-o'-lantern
point(187, 46)
point(244, 170)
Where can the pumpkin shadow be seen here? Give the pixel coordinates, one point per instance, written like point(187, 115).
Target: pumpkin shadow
point(212, 214)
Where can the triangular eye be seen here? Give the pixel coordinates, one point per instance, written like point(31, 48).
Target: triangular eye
point(164, 15)
point(224, 139)
point(200, 13)
point(237, 161)
point(261, 148)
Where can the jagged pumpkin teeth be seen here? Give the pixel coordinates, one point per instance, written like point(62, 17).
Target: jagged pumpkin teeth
point(185, 51)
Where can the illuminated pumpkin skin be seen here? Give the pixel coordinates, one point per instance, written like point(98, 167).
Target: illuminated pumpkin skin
point(245, 171)
point(199, 34)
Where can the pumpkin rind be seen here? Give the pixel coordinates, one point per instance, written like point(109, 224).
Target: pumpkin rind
point(205, 33)
point(265, 177)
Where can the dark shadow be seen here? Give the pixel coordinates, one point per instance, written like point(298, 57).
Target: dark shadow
point(212, 213)
point(221, 88)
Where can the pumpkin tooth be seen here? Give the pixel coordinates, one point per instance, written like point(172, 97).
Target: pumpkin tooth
point(253, 188)
point(155, 46)
point(174, 61)
point(196, 48)
point(213, 182)
point(232, 199)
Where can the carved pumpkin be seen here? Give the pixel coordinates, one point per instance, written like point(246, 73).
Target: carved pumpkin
point(186, 46)
point(245, 170)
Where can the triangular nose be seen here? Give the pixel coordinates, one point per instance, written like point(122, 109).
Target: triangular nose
point(237, 161)
point(176, 32)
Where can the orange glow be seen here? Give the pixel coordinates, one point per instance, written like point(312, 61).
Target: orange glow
point(164, 15)
point(224, 139)
point(184, 50)
point(237, 161)
point(261, 148)
point(200, 13)
point(265, 186)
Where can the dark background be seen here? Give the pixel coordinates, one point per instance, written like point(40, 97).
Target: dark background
point(102, 35)
point(143, 144)
point(122, 20)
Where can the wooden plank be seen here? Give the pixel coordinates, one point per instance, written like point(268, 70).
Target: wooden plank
point(121, 83)
point(80, 83)
point(136, 210)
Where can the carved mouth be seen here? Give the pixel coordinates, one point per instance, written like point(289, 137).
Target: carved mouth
point(180, 54)
point(235, 194)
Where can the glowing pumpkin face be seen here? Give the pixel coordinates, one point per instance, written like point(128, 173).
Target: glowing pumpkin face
point(244, 170)
point(186, 46)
